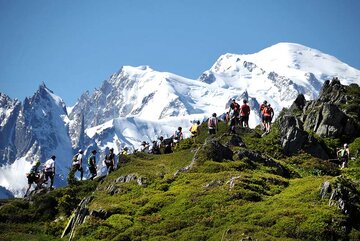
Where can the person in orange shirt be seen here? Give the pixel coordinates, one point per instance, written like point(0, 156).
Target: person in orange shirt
point(268, 116)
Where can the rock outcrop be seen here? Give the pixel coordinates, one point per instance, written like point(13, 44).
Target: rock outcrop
point(214, 150)
point(325, 117)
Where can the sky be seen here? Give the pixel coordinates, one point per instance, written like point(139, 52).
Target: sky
point(74, 45)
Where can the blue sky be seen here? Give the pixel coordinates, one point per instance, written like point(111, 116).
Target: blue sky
point(73, 45)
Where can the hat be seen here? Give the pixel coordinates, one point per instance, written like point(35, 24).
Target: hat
point(80, 151)
point(346, 145)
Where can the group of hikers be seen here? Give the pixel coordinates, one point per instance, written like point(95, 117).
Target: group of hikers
point(236, 115)
point(40, 177)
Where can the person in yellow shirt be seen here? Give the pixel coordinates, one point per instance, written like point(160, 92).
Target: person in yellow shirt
point(195, 130)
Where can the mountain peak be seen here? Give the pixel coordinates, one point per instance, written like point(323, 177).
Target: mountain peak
point(130, 70)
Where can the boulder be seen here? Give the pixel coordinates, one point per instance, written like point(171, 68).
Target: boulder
point(293, 138)
point(214, 150)
point(236, 141)
point(325, 189)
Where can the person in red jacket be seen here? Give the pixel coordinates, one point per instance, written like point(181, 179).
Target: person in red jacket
point(244, 114)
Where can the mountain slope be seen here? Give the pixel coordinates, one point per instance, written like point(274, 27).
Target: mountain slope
point(39, 132)
point(233, 187)
point(140, 104)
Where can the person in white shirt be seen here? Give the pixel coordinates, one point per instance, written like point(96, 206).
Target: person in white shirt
point(77, 163)
point(50, 170)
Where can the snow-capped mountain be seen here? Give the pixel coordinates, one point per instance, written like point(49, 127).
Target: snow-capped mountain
point(142, 93)
point(39, 131)
point(140, 104)
point(9, 110)
point(279, 73)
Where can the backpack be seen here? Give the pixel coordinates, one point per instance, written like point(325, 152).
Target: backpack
point(109, 158)
point(267, 110)
point(167, 141)
point(236, 107)
point(194, 129)
point(90, 162)
point(74, 159)
point(177, 135)
point(212, 122)
point(343, 153)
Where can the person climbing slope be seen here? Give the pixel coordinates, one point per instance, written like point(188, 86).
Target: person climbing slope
point(213, 125)
point(110, 161)
point(268, 116)
point(50, 170)
point(32, 176)
point(244, 114)
point(195, 130)
point(77, 163)
point(344, 155)
point(262, 106)
point(92, 165)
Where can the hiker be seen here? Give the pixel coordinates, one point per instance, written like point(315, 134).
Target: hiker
point(167, 144)
point(92, 164)
point(232, 124)
point(122, 154)
point(234, 111)
point(262, 106)
point(244, 114)
point(110, 160)
point(213, 124)
point(144, 147)
point(227, 118)
point(195, 130)
point(77, 163)
point(268, 116)
point(155, 148)
point(32, 176)
point(178, 136)
point(50, 170)
point(344, 155)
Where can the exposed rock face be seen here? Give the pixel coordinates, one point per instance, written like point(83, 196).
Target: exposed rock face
point(294, 138)
point(236, 141)
point(9, 112)
point(214, 150)
point(78, 217)
point(343, 194)
point(325, 117)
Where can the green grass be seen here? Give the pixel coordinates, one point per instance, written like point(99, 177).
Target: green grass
point(228, 200)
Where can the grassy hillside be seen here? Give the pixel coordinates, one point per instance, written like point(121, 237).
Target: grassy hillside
point(274, 198)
